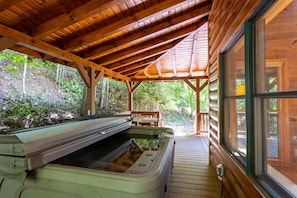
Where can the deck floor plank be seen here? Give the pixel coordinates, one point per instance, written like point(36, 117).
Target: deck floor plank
point(192, 176)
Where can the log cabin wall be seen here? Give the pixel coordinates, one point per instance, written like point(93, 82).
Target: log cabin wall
point(225, 20)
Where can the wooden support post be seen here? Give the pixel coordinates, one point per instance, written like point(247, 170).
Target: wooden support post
point(198, 118)
point(91, 93)
point(91, 78)
point(131, 88)
point(130, 104)
point(197, 89)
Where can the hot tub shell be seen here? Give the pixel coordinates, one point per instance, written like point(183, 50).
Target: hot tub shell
point(29, 173)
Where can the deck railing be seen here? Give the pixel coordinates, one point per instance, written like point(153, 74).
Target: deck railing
point(204, 122)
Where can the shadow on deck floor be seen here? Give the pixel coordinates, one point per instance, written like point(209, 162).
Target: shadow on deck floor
point(192, 176)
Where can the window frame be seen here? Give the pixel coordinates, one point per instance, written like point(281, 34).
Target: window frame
point(255, 138)
point(256, 109)
point(241, 160)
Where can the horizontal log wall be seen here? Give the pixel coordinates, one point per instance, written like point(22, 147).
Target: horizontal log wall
point(226, 18)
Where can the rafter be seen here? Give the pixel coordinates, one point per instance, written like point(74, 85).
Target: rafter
point(135, 71)
point(178, 34)
point(145, 79)
point(5, 4)
point(66, 19)
point(173, 62)
point(137, 64)
point(158, 67)
point(125, 23)
point(153, 52)
point(192, 60)
point(108, 48)
point(38, 45)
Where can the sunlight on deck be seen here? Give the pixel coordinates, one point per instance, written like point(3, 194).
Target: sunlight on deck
point(191, 175)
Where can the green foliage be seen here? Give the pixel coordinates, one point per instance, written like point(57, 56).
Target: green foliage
point(15, 112)
point(12, 68)
point(74, 92)
point(175, 100)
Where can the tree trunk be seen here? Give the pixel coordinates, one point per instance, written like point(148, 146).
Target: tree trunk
point(24, 77)
point(103, 94)
point(106, 94)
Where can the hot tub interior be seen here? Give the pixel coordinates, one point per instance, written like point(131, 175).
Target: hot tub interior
point(116, 153)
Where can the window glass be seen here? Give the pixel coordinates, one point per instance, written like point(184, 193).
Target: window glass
point(234, 101)
point(276, 87)
point(277, 48)
point(235, 70)
point(235, 126)
point(281, 142)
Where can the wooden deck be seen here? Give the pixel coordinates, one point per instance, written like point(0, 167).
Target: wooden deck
point(191, 175)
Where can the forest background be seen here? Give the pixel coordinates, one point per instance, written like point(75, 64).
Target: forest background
point(35, 92)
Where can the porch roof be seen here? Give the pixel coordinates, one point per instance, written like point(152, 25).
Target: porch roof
point(123, 39)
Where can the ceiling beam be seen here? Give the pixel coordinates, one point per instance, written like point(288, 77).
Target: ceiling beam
point(138, 64)
point(73, 16)
point(180, 33)
point(174, 61)
point(6, 43)
point(144, 79)
point(124, 23)
point(40, 46)
point(111, 47)
point(193, 52)
point(199, 24)
point(40, 55)
point(158, 65)
point(5, 4)
point(139, 49)
point(135, 71)
point(158, 50)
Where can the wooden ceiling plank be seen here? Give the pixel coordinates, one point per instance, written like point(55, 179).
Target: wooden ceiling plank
point(148, 31)
point(181, 33)
point(135, 71)
point(134, 59)
point(6, 43)
point(46, 48)
point(137, 49)
point(178, 41)
point(5, 4)
point(137, 64)
point(137, 68)
point(124, 23)
point(158, 50)
point(73, 16)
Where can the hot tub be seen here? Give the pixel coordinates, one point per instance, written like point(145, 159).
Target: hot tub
point(108, 158)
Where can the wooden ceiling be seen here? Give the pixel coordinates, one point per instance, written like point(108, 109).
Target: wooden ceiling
point(127, 40)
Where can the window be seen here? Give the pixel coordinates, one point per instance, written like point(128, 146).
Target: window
point(234, 100)
point(276, 95)
point(259, 100)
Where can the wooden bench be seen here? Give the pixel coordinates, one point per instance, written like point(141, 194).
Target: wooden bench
point(146, 118)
